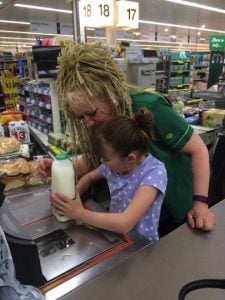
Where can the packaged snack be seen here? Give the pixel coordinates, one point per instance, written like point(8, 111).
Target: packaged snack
point(13, 182)
point(13, 167)
point(33, 178)
point(9, 145)
point(9, 116)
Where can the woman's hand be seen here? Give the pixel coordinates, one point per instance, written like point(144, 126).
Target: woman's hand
point(66, 206)
point(201, 217)
point(44, 168)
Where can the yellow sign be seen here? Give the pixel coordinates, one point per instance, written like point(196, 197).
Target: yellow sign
point(97, 13)
point(127, 14)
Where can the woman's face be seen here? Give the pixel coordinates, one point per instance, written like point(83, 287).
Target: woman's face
point(93, 114)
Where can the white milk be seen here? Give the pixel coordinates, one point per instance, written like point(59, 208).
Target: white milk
point(63, 180)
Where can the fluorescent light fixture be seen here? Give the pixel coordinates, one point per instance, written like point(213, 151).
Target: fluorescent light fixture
point(197, 5)
point(14, 22)
point(43, 8)
point(16, 38)
point(96, 37)
point(27, 43)
point(162, 43)
point(181, 26)
point(15, 45)
point(36, 33)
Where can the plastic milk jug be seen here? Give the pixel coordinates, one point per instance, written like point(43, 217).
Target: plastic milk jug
point(63, 180)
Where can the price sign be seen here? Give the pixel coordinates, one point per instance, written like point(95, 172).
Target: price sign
point(98, 13)
point(127, 14)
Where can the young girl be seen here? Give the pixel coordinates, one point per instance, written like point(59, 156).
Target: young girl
point(136, 180)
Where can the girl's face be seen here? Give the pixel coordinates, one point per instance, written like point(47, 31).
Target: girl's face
point(115, 162)
point(93, 114)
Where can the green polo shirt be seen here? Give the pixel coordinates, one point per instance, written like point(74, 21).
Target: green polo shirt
point(171, 134)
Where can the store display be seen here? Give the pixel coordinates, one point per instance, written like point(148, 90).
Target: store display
point(20, 131)
point(39, 101)
point(63, 180)
point(200, 69)
point(176, 79)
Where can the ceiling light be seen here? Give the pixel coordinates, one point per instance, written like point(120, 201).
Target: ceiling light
point(96, 37)
point(43, 8)
point(156, 42)
point(15, 22)
point(36, 33)
point(181, 26)
point(166, 29)
point(1, 2)
point(202, 6)
point(16, 38)
point(5, 42)
point(15, 45)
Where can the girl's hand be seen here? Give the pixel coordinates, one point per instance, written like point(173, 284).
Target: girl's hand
point(66, 206)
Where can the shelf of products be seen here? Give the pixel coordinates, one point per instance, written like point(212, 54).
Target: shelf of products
point(200, 69)
point(39, 101)
point(176, 80)
point(9, 92)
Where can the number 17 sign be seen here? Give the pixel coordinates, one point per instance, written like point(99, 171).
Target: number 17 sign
point(127, 14)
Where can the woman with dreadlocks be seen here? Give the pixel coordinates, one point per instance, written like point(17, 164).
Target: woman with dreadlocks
point(92, 89)
point(136, 180)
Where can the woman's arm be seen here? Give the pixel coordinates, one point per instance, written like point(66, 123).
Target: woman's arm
point(199, 216)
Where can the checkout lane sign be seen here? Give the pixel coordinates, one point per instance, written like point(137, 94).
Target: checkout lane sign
point(109, 13)
point(127, 14)
point(97, 13)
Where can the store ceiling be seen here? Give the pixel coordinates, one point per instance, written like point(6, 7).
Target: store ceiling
point(153, 10)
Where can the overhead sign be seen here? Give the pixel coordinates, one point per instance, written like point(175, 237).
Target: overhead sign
point(163, 37)
point(43, 27)
point(98, 13)
point(150, 35)
point(217, 42)
point(127, 14)
point(181, 38)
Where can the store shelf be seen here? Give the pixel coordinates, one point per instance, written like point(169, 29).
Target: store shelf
point(39, 100)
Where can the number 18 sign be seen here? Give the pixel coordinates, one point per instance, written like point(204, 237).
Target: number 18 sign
point(97, 13)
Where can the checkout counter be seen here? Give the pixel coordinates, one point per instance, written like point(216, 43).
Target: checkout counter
point(72, 261)
point(159, 271)
point(48, 253)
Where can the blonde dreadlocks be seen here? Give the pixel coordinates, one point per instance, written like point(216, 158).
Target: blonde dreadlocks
point(88, 70)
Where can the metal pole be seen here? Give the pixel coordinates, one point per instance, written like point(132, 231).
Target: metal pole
point(76, 21)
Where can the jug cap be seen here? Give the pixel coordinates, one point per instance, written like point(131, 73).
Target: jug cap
point(61, 156)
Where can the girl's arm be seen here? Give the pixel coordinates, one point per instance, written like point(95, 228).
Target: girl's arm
point(117, 222)
point(85, 182)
